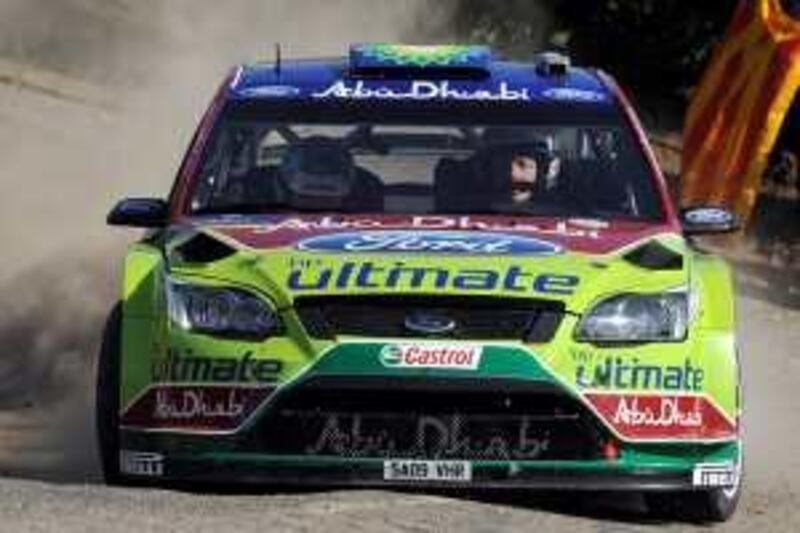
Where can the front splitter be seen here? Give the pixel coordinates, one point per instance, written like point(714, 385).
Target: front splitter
point(248, 469)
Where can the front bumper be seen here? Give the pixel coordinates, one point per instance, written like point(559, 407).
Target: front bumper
point(270, 450)
point(252, 469)
point(510, 424)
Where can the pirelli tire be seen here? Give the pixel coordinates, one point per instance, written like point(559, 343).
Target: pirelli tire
point(107, 398)
point(703, 505)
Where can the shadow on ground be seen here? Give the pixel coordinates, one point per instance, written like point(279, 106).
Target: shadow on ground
point(624, 507)
point(776, 284)
point(613, 507)
point(760, 271)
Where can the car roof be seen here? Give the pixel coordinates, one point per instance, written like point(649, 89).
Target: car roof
point(363, 77)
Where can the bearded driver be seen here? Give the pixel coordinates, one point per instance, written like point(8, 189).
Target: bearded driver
point(524, 170)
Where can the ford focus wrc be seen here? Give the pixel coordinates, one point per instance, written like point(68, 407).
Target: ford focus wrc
point(424, 266)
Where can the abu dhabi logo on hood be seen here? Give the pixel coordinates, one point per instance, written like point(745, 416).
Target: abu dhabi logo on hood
point(429, 242)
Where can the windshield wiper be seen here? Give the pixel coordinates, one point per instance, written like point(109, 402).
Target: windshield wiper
point(245, 209)
point(529, 209)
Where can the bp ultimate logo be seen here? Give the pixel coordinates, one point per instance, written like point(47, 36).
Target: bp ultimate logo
point(441, 242)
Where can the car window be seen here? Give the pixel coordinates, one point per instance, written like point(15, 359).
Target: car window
point(261, 166)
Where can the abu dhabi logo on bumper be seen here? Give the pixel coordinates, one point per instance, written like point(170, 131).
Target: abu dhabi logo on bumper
point(207, 408)
point(443, 242)
point(663, 416)
point(431, 355)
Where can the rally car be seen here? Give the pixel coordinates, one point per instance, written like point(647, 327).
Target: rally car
point(424, 266)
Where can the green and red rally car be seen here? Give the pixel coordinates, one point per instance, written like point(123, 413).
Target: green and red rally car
point(424, 266)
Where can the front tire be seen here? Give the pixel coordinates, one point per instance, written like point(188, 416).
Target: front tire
point(107, 398)
point(707, 505)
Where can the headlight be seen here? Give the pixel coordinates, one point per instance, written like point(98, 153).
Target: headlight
point(220, 311)
point(637, 318)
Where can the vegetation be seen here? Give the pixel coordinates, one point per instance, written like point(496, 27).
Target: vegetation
point(656, 47)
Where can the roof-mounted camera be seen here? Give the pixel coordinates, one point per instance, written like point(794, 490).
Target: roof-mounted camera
point(552, 63)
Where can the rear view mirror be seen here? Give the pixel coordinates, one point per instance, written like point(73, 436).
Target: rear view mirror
point(139, 213)
point(708, 220)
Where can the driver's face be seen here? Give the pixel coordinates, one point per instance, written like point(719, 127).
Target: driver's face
point(523, 176)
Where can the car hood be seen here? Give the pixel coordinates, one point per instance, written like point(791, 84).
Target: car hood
point(573, 260)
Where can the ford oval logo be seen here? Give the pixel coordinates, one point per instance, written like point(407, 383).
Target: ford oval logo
point(429, 323)
point(566, 94)
point(429, 242)
point(271, 91)
point(709, 215)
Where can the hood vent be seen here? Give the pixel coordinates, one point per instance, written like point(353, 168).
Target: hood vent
point(202, 249)
point(655, 256)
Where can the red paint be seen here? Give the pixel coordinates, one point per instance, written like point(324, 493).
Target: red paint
point(695, 138)
point(611, 450)
point(184, 184)
point(194, 407)
point(662, 417)
point(595, 238)
point(745, 12)
point(641, 139)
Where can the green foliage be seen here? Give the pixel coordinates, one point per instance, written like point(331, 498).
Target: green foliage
point(654, 46)
point(516, 27)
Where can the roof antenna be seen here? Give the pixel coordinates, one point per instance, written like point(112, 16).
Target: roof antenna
point(278, 60)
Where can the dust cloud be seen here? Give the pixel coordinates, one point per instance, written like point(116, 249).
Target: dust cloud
point(98, 100)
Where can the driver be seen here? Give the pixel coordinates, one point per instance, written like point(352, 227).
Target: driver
point(522, 163)
point(317, 173)
point(524, 173)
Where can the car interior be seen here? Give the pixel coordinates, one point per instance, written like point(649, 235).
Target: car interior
point(261, 168)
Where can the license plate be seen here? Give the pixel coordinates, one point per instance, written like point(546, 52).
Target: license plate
point(406, 470)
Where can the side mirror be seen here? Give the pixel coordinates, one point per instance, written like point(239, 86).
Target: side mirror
point(708, 220)
point(139, 213)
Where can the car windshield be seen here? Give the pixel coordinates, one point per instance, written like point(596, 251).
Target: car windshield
point(255, 164)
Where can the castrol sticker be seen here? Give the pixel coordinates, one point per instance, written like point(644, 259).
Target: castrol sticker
point(431, 355)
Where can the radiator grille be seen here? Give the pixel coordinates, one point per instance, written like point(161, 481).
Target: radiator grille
point(378, 418)
point(472, 318)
